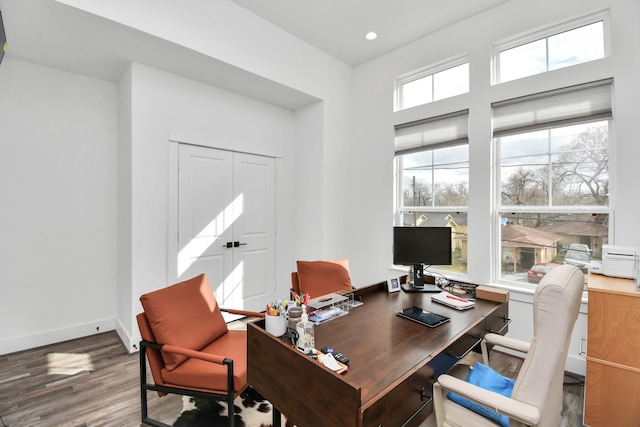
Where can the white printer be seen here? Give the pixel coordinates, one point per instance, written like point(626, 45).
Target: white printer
point(619, 261)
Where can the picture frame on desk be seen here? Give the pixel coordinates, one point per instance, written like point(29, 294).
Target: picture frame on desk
point(393, 284)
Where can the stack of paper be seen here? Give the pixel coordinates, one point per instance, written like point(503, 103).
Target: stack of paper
point(453, 301)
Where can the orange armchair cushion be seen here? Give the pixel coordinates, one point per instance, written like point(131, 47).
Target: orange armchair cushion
point(318, 278)
point(203, 375)
point(185, 315)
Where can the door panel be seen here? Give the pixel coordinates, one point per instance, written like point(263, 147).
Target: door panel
point(254, 228)
point(228, 197)
point(203, 214)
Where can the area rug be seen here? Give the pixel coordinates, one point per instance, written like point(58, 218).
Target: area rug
point(250, 408)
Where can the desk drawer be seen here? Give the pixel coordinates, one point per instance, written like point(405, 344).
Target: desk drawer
point(409, 402)
point(611, 395)
point(498, 321)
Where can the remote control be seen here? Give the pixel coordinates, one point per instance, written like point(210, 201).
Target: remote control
point(336, 355)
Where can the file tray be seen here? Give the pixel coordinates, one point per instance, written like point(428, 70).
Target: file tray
point(326, 301)
point(330, 306)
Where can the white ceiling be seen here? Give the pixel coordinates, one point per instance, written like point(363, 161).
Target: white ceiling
point(55, 35)
point(338, 27)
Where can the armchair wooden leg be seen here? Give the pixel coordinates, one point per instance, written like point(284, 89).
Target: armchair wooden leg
point(438, 406)
point(485, 352)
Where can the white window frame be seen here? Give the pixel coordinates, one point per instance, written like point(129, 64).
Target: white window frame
point(424, 72)
point(440, 141)
point(401, 208)
point(502, 209)
point(548, 31)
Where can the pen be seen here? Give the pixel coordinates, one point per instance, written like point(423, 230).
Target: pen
point(456, 298)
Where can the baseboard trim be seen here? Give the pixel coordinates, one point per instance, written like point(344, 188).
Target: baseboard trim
point(132, 344)
point(25, 342)
point(576, 365)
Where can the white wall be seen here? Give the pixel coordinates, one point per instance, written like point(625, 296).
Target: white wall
point(153, 107)
point(230, 34)
point(374, 120)
point(374, 117)
point(167, 109)
point(58, 210)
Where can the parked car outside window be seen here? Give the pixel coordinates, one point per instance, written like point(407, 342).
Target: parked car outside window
point(578, 255)
point(537, 272)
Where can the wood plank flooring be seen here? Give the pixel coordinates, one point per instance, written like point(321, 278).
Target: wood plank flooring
point(90, 381)
point(93, 381)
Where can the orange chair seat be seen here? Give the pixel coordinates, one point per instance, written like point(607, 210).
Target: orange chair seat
point(195, 373)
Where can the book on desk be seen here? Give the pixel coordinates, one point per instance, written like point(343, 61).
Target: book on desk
point(453, 301)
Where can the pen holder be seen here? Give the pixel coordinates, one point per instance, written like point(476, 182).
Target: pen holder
point(275, 325)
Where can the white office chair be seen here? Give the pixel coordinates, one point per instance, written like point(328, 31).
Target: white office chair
point(536, 399)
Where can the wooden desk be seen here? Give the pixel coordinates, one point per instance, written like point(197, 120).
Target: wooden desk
point(393, 362)
point(613, 345)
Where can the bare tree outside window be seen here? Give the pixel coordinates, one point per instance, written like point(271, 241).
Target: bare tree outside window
point(576, 172)
point(581, 174)
point(564, 169)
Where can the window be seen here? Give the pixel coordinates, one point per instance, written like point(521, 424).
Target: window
point(574, 43)
point(553, 179)
point(432, 85)
point(432, 160)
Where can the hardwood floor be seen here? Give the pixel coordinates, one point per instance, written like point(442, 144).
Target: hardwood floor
point(93, 381)
point(90, 381)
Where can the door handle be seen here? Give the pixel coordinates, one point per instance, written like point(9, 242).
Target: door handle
point(233, 244)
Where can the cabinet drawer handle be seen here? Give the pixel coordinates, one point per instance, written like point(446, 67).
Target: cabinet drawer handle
point(423, 395)
point(506, 321)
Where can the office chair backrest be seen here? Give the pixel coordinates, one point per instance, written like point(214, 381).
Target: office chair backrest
point(318, 278)
point(555, 310)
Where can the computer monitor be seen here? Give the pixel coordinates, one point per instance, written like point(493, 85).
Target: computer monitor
point(419, 246)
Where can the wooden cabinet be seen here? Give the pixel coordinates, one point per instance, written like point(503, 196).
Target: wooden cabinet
point(613, 353)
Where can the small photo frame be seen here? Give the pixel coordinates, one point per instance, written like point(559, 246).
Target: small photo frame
point(393, 284)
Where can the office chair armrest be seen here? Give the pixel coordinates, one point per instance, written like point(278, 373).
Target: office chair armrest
point(520, 411)
point(243, 312)
point(502, 341)
point(511, 343)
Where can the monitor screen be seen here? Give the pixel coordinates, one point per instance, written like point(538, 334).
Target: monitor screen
point(422, 245)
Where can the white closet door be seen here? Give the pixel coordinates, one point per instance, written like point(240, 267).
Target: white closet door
point(226, 223)
point(254, 229)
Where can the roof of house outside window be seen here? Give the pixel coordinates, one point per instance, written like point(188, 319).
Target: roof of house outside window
point(435, 219)
point(520, 236)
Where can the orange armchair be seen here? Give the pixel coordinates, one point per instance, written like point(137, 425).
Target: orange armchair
point(318, 278)
point(188, 346)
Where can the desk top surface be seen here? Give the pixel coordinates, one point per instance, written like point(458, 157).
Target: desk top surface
point(384, 348)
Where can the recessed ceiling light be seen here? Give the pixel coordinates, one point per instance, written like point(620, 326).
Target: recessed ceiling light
point(371, 35)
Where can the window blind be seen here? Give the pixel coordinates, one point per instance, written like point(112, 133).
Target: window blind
point(434, 132)
point(574, 104)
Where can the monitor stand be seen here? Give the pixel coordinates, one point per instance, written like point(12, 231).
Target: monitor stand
point(429, 287)
point(418, 284)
